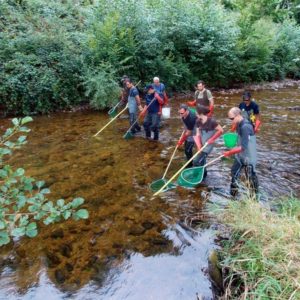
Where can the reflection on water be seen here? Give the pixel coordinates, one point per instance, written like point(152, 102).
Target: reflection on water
point(132, 247)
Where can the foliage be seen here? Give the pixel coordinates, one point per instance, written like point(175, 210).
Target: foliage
point(23, 200)
point(61, 53)
point(261, 259)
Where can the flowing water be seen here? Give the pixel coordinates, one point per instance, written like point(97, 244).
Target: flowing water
point(134, 246)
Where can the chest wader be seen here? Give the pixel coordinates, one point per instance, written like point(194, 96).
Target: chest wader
point(202, 101)
point(245, 160)
point(188, 147)
point(132, 107)
point(151, 123)
point(200, 159)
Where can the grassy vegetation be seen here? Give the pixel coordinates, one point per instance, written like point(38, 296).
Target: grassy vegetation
point(261, 260)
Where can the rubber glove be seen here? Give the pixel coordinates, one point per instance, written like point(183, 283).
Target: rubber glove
point(159, 99)
point(182, 140)
point(233, 127)
point(211, 110)
point(214, 137)
point(233, 151)
point(191, 103)
point(257, 125)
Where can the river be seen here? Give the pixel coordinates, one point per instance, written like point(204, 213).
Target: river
point(134, 246)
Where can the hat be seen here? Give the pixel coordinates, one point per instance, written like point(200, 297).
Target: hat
point(246, 95)
point(149, 87)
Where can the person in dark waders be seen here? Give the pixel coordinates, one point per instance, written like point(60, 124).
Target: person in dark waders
point(245, 152)
point(189, 120)
point(250, 111)
point(152, 110)
point(203, 97)
point(134, 103)
point(208, 130)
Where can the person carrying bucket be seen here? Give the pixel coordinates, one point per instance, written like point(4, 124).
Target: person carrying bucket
point(160, 89)
point(245, 152)
point(134, 103)
point(189, 120)
point(152, 110)
point(203, 97)
point(208, 130)
point(250, 110)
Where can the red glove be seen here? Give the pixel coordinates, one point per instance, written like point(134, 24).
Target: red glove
point(144, 111)
point(191, 103)
point(158, 98)
point(233, 151)
point(166, 99)
point(211, 110)
point(214, 137)
point(182, 140)
point(233, 127)
point(257, 125)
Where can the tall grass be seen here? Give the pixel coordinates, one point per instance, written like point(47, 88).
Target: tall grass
point(261, 260)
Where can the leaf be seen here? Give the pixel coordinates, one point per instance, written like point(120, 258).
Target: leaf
point(26, 120)
point(77, 201)
point(4, 238)
point(31, 233)
point(66, 214)
point(82, 214)
point(2, 225)
point(18, 231)
point(60, 202)
point(22, 138)
point(39, 184)
point(19, 172)
point(24, 129)
point(15, 121)
point(4, 151)
point(45, 191)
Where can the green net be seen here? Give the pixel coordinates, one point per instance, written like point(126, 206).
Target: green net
point(128, 135)
point(155, 186)
point(191, 177)
point(230, 139)
point(113, 112)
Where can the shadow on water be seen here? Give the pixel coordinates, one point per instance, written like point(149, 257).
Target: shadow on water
point(133, 246)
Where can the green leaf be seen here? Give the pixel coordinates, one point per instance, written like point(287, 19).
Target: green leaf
point(66, 214)
point(31, 233)
point(4, 151)
point(60, 202)
point(18, 231)
point(77, 201)
point(21, 201)
point(39, 184)
point(45, 191)
point(48, 220)
point(2, 225)
point(24, 129)
point(82, 214)
point(22, 139)
point(15, 121)
point(3, 173)
point(19, 172)
point(4, 238)
point(26, 120)
point(31, 226)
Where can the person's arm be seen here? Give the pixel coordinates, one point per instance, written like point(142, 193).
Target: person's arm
point(186, 134)
point(159, 99)
point(219, 131)
point(211, 103)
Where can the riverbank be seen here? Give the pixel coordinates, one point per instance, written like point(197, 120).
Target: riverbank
point(260, 249)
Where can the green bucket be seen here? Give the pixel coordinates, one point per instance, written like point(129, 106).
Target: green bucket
point(230, 139)
point(191, 177)
point(192, 109)
point(156, 185)
point(113, 112)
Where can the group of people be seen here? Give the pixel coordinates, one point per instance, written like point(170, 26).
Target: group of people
point(201, 128)
point(155, 97)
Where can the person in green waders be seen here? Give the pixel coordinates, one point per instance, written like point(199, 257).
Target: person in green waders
point(134, 104)
point(245, 152)
point(208, 130)
point(189, 120)
point(203, 97)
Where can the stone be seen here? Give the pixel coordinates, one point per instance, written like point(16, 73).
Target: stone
point(57, 234)
point(52, 259)
point(60, 276)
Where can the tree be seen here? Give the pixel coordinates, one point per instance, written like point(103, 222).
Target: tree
point(23, 200)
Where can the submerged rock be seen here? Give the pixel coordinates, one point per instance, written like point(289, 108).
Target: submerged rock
point(214, 271)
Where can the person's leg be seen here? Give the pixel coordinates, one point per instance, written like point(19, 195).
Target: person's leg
point(252, 179)
point(137, 127)
point(200, 161)
point(188, 149)
point(155, 126)
point(235, 173)
point(147, 124)
point(131, 121)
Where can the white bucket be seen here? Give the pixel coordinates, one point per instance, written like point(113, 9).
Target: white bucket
point(166, 112)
